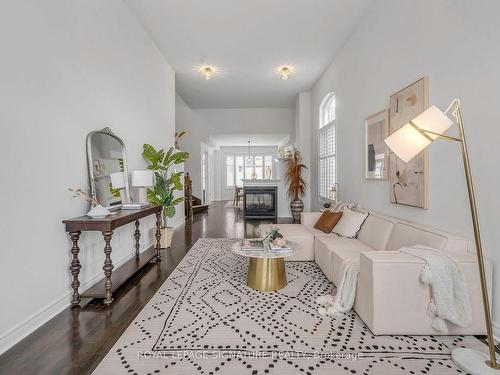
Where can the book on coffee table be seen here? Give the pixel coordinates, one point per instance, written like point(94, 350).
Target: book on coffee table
point(253, 245)
point(273, 247)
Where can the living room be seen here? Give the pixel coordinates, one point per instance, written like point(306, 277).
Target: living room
point(356, 113)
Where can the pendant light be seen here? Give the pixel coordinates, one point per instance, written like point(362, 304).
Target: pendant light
point(249, 161)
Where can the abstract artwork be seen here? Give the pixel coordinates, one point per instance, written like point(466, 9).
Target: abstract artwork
point(376, 156)
point(408, 181)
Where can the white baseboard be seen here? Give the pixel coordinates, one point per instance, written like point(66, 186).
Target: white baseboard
point(23, 329)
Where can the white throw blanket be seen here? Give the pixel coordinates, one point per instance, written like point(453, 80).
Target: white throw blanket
point(343, 300)
point(450, 296)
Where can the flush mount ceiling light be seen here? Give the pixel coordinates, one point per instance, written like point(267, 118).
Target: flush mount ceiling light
point(207, 71)
point(285, 71)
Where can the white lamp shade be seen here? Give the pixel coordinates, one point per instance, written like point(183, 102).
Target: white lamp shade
point(142, 178)
point(117, 180)
point(407, 142)
point(433, 120)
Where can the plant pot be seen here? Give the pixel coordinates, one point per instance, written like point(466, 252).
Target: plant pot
point(166, 237)
point(297, 206)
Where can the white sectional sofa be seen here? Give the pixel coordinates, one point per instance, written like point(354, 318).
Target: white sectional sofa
point(390, 298)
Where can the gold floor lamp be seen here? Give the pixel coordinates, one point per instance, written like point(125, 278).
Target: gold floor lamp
point(409, 141)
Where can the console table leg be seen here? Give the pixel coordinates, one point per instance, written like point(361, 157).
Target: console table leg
point(75, 267)
point(158, 236)
point(108, 267)
point(137, 236)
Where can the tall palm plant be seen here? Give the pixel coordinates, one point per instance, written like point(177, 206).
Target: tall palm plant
point(295, 182)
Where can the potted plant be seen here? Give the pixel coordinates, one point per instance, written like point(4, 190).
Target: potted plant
point(166, 184)
point(296, 183)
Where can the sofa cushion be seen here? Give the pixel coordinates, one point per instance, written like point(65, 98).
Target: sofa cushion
point(327, 221)
point(375, 231)
point(405, 234)
point(350, 223)
point(330, 251)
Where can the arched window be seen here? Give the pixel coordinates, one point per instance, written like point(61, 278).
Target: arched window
point(327, 110)
point(327, 148)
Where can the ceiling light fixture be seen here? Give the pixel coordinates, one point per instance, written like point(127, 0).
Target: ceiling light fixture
point(207, 71)
point(285, 71)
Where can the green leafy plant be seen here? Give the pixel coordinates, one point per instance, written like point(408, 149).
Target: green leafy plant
point(165, 186)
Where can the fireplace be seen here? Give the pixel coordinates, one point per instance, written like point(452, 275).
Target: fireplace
point(260, 202)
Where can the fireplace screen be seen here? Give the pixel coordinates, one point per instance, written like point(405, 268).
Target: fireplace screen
point(259, 202)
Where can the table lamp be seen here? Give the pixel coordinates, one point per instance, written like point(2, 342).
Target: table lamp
point(118, 183)
point(407, 142)
point(142, 180)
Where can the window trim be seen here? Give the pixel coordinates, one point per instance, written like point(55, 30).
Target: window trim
point(323, 128)
point(253, 155)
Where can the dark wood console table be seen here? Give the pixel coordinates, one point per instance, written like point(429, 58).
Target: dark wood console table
point(106, 287)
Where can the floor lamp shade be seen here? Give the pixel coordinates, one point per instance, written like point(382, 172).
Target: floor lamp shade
point(411, 139)
point(117, 180)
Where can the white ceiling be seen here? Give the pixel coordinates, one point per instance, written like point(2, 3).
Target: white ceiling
point(220, 140)
point(247, 40)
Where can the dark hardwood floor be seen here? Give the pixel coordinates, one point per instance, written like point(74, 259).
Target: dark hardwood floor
point(76, 340)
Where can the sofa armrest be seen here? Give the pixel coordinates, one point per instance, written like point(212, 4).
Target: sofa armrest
point(391, 299)
point(309, 218)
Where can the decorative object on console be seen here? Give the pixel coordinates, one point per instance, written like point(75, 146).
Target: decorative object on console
point(296, 183)
point(327, 221)
point(350, 223)
point(142, 180)
point(408, 142)
point(97, 211)
point(408, 180)
point(166, 184)
point(376, 156)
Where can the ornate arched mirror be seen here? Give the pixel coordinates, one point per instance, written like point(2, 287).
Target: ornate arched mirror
point(107, 164)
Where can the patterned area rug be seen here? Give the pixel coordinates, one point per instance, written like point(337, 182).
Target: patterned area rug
point(205, 320)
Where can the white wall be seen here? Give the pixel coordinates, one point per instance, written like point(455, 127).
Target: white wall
point(303, 140)
point(67, 68)
point(187, 119)
point(202, 123)
point(454, 43)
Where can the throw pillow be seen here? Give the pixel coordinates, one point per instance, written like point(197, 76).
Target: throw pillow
point(350, 223)
point(327, 221)
point(340, 206)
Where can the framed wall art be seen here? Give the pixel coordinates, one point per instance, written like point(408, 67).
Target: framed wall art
point(408, 181)
point(376, 152)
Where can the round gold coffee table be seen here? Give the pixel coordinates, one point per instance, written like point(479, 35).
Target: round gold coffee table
point(266, 269)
